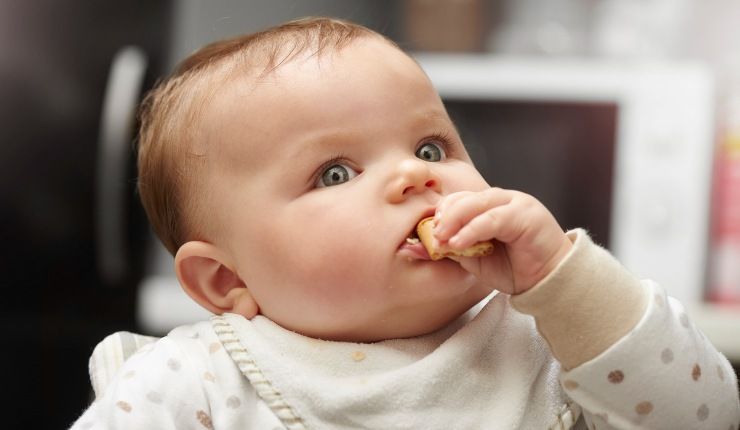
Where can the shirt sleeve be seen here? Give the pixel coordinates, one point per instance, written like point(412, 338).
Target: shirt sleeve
point(631, 355)
point(664, 374)
point(155, 388)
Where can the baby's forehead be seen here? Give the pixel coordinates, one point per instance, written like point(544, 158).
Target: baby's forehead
point(295, 88)
point(246, 76)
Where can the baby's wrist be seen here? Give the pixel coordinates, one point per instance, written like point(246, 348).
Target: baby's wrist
point(550, 266)
point(589, 293)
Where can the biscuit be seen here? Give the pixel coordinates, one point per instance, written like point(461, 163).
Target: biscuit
point(438, 251)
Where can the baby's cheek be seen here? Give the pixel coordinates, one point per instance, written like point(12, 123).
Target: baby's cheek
point(465, 177)
point(323, 262)
point(320, 288)
point(329, 265)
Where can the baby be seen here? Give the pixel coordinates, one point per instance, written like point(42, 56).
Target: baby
point(285, 170)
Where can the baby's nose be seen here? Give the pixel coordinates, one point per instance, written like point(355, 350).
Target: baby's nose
point(413, 176)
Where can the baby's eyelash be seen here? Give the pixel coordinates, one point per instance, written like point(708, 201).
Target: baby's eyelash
point(443, 138)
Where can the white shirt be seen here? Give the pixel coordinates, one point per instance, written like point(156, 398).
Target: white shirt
point(490, 369)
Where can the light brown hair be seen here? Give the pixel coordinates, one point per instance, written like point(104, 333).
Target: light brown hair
point(167, 162)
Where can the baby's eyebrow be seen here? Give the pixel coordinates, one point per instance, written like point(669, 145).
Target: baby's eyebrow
point(335, 140)
point(438, 117)
point(318, 144)
point(431, 115)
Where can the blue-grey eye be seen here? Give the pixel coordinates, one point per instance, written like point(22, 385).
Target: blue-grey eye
point(431, 152)
point(334, 175)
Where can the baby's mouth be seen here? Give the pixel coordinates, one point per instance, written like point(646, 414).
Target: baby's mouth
point(413, 238)
point(412, 248)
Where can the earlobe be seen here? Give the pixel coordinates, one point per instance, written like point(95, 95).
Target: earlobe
point(207, 277)
point(242, 303)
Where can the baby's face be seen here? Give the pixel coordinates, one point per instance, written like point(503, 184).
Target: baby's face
point(321, 171)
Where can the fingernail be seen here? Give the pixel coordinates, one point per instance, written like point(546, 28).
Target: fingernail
point(453, 242)
point(458, 242)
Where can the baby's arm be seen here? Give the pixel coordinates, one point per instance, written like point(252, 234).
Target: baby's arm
point(593, 312)
point(663, 373)
point(532, 244)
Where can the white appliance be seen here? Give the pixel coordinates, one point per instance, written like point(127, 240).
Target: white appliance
point(624, 149)
point(662, 144)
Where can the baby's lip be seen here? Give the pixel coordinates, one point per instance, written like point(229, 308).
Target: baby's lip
point(414, 251)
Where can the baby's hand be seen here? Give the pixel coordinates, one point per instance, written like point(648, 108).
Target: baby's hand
point(531, 241)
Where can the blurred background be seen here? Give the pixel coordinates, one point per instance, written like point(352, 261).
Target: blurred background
point(566, 89)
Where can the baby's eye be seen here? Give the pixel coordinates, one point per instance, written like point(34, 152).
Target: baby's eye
point(431, 152)
point(334, 175)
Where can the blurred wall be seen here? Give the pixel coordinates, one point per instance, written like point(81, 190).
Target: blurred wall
point(197, 22)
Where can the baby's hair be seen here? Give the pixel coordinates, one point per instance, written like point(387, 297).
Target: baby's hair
point(168, 162)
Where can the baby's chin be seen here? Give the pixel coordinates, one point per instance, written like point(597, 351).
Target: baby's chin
point(402, 324)
point(420, 328)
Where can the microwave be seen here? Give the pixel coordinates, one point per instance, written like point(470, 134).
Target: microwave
point(623, 150)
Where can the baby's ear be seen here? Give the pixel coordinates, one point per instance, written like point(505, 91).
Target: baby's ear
point(207, 277)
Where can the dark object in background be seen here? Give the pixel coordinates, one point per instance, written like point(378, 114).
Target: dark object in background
point(443, 25)
point(566, 159)
point(54, 67)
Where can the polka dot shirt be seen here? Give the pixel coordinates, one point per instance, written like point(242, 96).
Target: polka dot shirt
point(663, 374)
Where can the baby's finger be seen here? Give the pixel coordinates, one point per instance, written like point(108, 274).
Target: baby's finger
point(491, 224)
point(455, 216)
point(448, 201)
